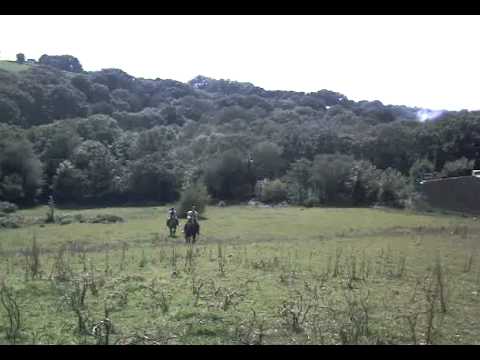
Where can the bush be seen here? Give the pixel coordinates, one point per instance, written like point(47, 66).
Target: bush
point(195, 195)
point(310, 202)
point(7, 207)
point(460, 167)
point(365, 184)
point(228, 177)
point(394, 190)
point(21, 172)
point(105, 219)
point(331, 177)
point(419, 169)
point(10, 222)
point(274, 192)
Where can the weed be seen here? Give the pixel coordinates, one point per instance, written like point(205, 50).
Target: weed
point(294, 312)
point(8, 298)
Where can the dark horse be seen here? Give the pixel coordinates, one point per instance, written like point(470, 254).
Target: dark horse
point(191, 230)
point(172, 224)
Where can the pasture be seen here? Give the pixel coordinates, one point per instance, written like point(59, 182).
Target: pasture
point(255, 276)
point(12, 66)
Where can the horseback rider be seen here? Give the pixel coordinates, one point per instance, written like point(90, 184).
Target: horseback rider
point(172, 221)
point(192, 216)
point(195, 213)
point(172, 213)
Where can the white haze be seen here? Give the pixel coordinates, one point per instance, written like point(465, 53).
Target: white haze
point(427, 114)
point(428, 62)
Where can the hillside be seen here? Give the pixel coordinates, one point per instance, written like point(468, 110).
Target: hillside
point(12, 66)
point(108, 136)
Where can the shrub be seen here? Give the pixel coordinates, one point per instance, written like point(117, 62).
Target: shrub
point(310, 202)
point(195, 195)
point(106, 219)
point(394, 189)
point(11, 222)
point(7, 207)
point(330, 176)
point(274, 192)
point(419, 169)
point(460, 167)
point(229, 177)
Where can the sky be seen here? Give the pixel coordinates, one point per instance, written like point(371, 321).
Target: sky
point(420, 61)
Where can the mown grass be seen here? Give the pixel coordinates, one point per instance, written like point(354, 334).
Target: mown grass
point(12, 66)
point(257, 275)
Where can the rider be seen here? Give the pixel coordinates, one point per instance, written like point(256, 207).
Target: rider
point(172, 213)
point(194, 215)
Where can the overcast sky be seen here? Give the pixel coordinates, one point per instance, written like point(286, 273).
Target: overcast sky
point(425, 61)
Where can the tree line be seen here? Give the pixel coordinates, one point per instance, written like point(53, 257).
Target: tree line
point(106, 136)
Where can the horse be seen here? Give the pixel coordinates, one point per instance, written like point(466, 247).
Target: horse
point(172, 224)
point(191, 230)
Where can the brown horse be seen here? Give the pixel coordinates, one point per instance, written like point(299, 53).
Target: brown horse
point(191, 230)
point(172, 224)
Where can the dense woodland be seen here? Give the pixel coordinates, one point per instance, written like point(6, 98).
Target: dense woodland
point(108, 137)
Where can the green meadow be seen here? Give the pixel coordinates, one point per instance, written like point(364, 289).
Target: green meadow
point(12, 66)
point(255, 276)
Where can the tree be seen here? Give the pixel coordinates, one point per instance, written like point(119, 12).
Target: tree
point(82, 83)
point(99, 92)
point(365, 183)
point(20, 58)
point(298, 180)
point(55, 143)
point(227, 177)
point(69, 182)
point(171, 117)
point(62, 62)
point(20, 169)
point(460, 167)
point(457, 135)
point(66, 102)
point(113, 79)
point(155, 140)
point(419, 169)
point(390, 145)
point(152, 178)
point(100, 128)
point(394, 188)
point(195, 195)
point(9, 112)
point(331, 177)
point(267, 161)
point(130, 101)
point(274, 191)
point(102, 107)
point(97, 167)
point(145, 119)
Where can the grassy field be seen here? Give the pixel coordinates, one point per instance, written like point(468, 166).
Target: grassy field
point(12, 66)
point(256, 276)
